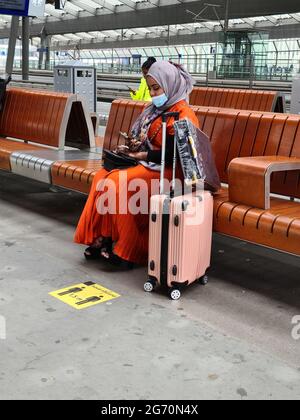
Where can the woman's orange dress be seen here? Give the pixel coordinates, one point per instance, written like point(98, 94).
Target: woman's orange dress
point(129, 232)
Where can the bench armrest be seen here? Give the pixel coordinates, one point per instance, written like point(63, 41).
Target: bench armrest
point(250, 178)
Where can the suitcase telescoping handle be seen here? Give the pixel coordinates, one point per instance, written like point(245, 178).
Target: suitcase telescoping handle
point(165, 118)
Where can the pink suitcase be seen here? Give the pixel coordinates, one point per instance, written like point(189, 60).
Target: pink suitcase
point(180, 239)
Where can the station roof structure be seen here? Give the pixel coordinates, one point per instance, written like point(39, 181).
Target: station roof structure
point(89, 24)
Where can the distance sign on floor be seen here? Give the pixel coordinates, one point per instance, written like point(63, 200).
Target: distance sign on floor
point(84, 295)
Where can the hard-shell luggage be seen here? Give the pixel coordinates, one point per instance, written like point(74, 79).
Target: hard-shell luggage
point(180, 235)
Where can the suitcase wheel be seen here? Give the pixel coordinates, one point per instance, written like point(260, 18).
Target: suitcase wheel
point(204, 280)
point(150, 286)
point(175, 294)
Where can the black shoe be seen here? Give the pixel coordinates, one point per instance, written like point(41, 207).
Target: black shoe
point(92, 253)
point(95, 253)
point(117, 261)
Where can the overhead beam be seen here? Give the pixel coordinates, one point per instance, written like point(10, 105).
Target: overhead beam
point(278, 32)
point(159, 16)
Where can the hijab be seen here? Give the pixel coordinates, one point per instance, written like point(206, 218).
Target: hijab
point(177, 84)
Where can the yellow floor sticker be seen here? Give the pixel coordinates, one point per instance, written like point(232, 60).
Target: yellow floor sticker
point(84, 295)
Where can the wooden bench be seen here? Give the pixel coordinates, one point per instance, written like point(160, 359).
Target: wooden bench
point(245, 210)
point(256, 153)
point(235, 135)
point(122, 115)
point(257, 100)
point(37, 127)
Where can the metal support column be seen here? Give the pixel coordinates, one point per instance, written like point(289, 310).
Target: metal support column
point(25, 48)
point(48, 43)
point(226, 23)
point(252, 72)
point(207, 72)
point(41, 52)
point(12, 44)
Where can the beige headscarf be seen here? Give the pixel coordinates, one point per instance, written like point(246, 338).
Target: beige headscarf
point(177, 84)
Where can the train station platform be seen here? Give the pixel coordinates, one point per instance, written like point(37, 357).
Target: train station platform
point(196, 297)
point(229, 340)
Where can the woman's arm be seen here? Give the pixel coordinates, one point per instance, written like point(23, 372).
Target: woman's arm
point(154, 156)
point(139, 155)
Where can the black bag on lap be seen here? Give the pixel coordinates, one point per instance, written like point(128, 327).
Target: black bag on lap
point(114, 161)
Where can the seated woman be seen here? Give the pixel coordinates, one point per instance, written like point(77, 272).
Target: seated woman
point(119, 236)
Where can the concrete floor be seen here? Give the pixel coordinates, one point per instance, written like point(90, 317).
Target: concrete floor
point(231, 339)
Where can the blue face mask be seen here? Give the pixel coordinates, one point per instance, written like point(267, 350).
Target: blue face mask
point(159, 101)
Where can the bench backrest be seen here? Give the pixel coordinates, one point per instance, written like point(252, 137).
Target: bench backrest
point(123, 114)
point(256, 100)
point(46, 118)
point(248, 133)
point(233, 133)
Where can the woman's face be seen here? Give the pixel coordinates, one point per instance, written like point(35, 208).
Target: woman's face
point(154, 87)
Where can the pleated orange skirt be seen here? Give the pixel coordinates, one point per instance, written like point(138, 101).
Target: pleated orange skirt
point(108, 211)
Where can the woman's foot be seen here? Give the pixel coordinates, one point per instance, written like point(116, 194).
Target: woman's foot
point(94, 252)
point(116, 261)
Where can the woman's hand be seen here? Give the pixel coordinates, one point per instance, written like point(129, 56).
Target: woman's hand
point(134, 145)
point(139, 155)
point(122, 149)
